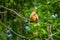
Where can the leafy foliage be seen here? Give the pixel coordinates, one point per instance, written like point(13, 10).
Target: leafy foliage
point(48, 12)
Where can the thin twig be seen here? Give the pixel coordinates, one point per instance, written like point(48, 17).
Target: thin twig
point(11, 10)
point(49, 31)
point(3, 12)
point(52, 35)
point(12, 30)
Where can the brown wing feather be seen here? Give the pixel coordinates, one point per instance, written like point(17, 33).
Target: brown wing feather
point(34, 16)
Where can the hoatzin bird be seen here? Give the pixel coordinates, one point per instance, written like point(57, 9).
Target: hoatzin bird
point(33, 16)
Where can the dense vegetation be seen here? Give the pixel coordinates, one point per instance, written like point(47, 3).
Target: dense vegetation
point(15, 24)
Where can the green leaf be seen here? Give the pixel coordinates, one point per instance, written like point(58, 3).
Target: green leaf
point(43, 31)
point(0, 27)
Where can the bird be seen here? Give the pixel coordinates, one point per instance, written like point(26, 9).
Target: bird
point(34, 16)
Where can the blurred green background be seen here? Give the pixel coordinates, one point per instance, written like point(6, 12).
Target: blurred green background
point(48, 27)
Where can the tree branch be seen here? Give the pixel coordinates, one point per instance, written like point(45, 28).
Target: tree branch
point(12, 30)
point(11, 10)
point(2, 12)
